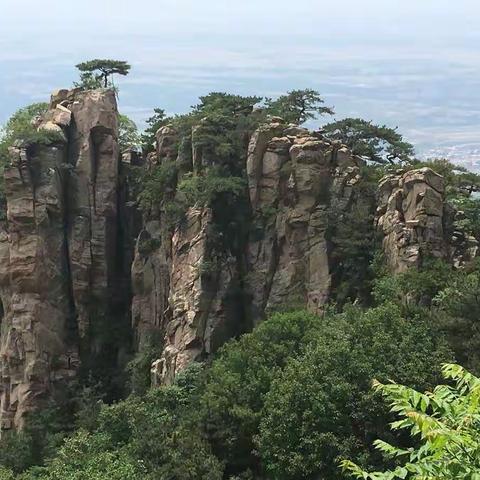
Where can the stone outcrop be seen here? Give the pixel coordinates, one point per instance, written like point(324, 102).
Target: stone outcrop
point(416, 221)
point(35, 350)
point(201, 311)
point(463, 248)
point(152, 264)
point(199, 299)
point(182, 289)
point(410, 216)
point(294, 178)
point(61, 263)
point(92, 200)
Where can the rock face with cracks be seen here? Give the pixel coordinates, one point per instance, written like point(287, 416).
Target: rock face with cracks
point(293, 177)
point(182, 293)
point(199, 302)
point(81, 270)
point(61, 267)
point(416, 222)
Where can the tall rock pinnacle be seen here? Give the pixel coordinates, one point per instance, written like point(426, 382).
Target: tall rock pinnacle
point(58, 248)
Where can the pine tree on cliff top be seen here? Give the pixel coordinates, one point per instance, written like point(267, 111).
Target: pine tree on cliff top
point(102, 70)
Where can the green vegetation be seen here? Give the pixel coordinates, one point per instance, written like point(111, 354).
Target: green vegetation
point(287, 400)
point(128, 135)
point(223, 124)
point(298, 106)
point(241, 377)
point(99, 73)
point(202, 190)
point(47, 429)
point(468, 216)
point(375, 143)
point(157, 184)
point(219, 126)
point(209, 170)
point(157, 120)
point(354, 242)
point(447, 423)
point(21, 129)
point(138, 369)
point(457, 309)
point(320, 408)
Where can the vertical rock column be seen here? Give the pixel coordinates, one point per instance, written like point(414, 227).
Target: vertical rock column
point(183, 292)
point(410, 216)
point(92, 203)
point(151, 266)
point(291, 173)
point(35, 348)
point(60, 266)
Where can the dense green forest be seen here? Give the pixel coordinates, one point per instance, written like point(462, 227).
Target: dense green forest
point(289, 400)
point(293, 399)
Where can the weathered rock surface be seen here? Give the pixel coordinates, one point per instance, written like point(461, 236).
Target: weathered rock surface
point(416, 221)
point(61, 267)
point(198, 299)
point(152, 264)
point(182, 291)
point(200, 308)
point(294, 178)
point(34, 348)
point(410, 216)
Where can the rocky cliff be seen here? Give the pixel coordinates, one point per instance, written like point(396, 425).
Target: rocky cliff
point(416, 221)
point(294, 177)
point(84, 277)
point(199, 299)
point(61, 269)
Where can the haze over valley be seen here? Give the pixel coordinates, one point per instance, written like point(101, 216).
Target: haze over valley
point(413, 65)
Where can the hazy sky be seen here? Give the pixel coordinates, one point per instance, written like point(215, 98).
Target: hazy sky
point(411, 63)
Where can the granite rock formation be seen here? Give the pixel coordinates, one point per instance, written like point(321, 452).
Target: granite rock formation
point(182, 291)
point(294, 177)
point(416, 221)
point(61, 268)
point(197, 300)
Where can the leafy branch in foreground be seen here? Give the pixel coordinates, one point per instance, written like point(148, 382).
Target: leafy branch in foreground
point(447, 421)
